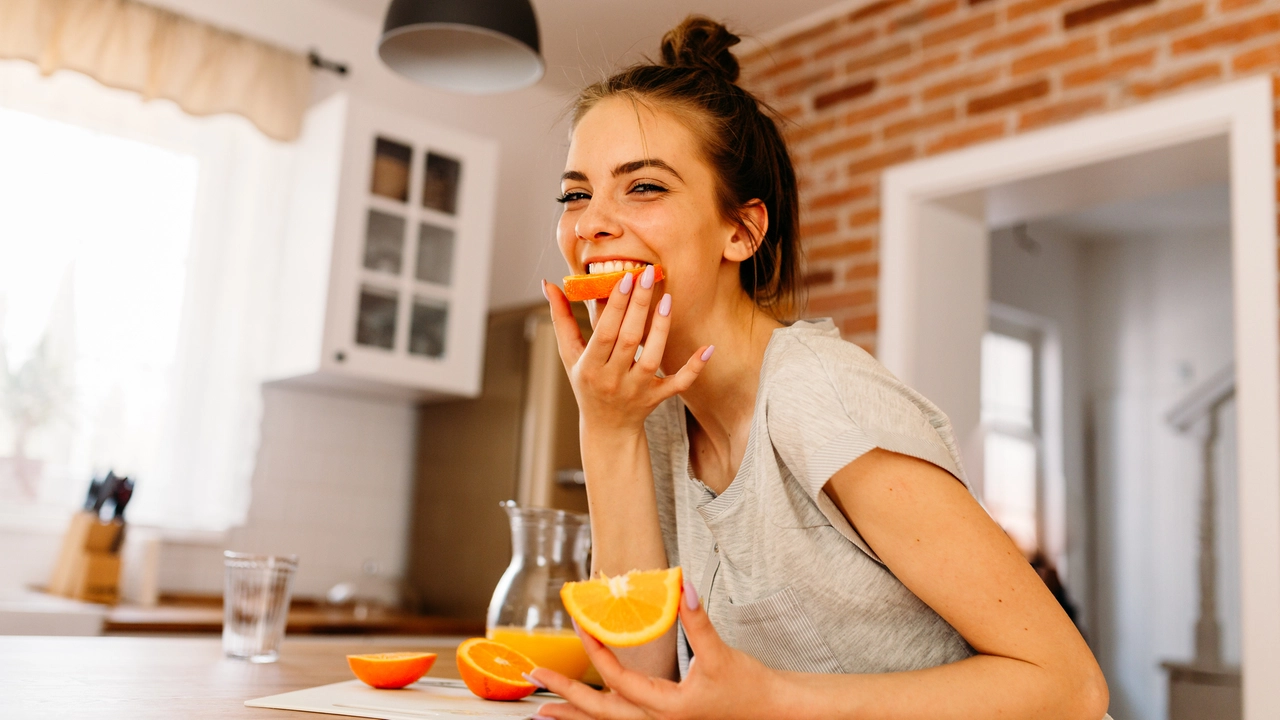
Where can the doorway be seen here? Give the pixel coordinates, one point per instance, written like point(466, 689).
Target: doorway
point(1212, 147)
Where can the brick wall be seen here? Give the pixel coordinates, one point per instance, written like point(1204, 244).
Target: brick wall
point(896, 80)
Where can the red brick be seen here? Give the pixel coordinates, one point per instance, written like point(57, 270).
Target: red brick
point(1042, 59)
point(1228, 34)
point(920, 122)
point(1232, 5)
point(1016, 38)
point(860, 324)
point(865, 217)
point(924, 67)
point(1012, 96)
point(818, 228)
point(881, 108)
point(842, 249)
point(853, 41)
point(840, 197)
point(798, 86)
point(844, 94)
point(960, 84)
point(923, 15)
point(882, 160)
point(1058, 112)
point(857, 142)
point(800, 133)
point(878, 58)
point(1199, 73)
point(1112, 68)
point(875, 8)
point(1257, 59)
point(1030, 7)
point(969, 136)
point(806, 35)
point(960, 29)
point(863, 271)
point(778, 68)
point(1100, 11)
point(837, 301)
point(1157, 24)
point(815, 278)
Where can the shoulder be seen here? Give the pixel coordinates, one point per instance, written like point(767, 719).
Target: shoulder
point(810, 358)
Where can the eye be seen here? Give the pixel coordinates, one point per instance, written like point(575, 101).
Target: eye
point(648, 188)
point(573, 196)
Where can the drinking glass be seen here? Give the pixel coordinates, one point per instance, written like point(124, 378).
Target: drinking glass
point(548, 549)
point(255, 604)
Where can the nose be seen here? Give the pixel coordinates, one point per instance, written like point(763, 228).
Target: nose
point(598, 221)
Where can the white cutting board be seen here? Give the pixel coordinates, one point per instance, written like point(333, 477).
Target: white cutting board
point(427, 698)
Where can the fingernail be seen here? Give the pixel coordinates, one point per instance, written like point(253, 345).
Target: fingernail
point(532, 680)
point(624, 287)
point(540, 717)
point(664, 305)
point(690, 595)
point(545, 294)
point(706, 354)
point(646, 277)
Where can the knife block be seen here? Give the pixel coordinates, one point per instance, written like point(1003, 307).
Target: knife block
point(88, 566)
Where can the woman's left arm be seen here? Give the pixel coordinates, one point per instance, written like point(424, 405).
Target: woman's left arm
point(931, 533)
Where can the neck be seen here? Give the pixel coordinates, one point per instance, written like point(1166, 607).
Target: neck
point(724, 395)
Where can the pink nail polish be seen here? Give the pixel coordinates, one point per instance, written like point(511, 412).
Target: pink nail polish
point(690, 595)
point(646, 278)
point(706, 354)
point(545, 294)
point(664, 305)
point(624, 286)
point(532, 680)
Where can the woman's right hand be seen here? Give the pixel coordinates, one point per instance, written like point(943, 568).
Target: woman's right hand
point(616, 391)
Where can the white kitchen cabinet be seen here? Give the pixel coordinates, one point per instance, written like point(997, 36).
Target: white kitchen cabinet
point(384, 278)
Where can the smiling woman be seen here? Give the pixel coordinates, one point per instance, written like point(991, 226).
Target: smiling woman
point(835, 563)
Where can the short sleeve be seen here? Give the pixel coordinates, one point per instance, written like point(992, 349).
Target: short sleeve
point(829, 403)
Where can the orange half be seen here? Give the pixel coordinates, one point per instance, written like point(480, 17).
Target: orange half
point(391, 670)
point(494, 671)
point(599, 285)
point(626, 610)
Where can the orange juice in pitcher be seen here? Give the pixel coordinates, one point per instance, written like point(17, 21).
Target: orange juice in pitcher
point(554, 648)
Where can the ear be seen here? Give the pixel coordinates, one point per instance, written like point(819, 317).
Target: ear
point(747, 235)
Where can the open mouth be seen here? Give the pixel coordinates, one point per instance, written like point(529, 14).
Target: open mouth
point(608, 266)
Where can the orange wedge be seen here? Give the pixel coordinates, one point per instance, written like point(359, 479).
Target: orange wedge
point(391, 670)
point(599, 285)
point(625, 610)
point(494, 671)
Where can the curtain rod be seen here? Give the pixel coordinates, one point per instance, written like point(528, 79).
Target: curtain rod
point(339, 68)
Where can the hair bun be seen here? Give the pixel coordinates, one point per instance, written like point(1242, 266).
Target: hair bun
point(702, 43)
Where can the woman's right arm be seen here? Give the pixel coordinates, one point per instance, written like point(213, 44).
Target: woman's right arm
point(615, 393)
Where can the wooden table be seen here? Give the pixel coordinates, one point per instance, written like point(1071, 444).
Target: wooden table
point(175, 677)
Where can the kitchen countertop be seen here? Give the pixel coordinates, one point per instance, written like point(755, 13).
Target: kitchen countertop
point(169, 677)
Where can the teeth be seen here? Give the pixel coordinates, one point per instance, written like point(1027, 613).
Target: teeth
point(609, 266)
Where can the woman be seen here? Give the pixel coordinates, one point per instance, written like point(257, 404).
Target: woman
point(835, 563)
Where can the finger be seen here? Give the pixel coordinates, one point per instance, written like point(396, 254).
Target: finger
point(583, 698)
point(568, 335)
point(561, 711)
point(600, 346)
point(631, 333)
point(682, 380)
point(698, 630)
point(638, 688)
point(656, 343)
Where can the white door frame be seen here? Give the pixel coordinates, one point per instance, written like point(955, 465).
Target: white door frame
point(1243, 112)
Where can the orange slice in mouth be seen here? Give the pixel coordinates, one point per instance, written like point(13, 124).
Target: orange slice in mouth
point(598, 286)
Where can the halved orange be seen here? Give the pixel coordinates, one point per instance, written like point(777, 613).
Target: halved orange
point(625, 610)
point(599, 285)
point(494, 671)
point(391, 670)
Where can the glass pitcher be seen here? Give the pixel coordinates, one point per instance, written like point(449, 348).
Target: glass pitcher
point(548, 549)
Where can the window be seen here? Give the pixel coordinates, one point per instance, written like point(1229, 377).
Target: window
point(1011, 445)
point(136, 261)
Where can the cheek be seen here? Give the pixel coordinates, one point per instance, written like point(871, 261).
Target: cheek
point(565, 239)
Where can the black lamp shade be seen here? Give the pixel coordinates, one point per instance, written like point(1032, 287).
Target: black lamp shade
point(468, 46)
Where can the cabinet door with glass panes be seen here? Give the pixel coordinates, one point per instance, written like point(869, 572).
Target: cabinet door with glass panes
point(409, 269)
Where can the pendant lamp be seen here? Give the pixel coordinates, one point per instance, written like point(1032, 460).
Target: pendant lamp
point(467, 46)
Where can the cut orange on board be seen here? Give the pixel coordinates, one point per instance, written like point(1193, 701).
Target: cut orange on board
point(597, 286)
point(391, 670)
point(625, 610)
point(494, 671)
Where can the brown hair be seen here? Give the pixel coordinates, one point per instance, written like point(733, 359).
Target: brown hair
point(697, 78)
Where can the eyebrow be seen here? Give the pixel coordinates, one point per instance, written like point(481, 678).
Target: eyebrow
point(627, 167)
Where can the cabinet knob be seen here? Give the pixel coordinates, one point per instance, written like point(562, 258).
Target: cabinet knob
point(340, 356)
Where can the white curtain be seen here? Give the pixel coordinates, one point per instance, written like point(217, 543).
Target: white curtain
point(202, 427)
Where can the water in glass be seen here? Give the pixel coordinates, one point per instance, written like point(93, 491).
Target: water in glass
point(255, 605)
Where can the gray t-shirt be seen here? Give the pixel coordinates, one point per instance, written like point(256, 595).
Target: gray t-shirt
point(784, 576)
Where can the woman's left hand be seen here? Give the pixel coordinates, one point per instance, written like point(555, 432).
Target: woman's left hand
point(721, 683)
